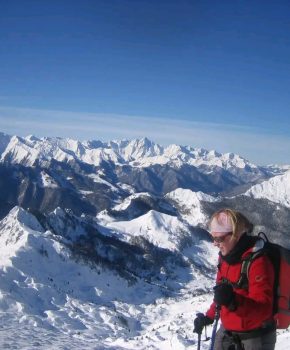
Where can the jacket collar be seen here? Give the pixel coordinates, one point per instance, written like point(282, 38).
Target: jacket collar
point(240, 250)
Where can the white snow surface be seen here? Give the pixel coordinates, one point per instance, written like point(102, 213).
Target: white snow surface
point(126, 203)
point(46, 181)
point(98, 179)
point(277, 189)
point(189, 204)
point(179, 155)
point(162, 230)
point(48, 300)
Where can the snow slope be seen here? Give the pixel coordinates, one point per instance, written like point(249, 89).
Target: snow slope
point(189, 205)
point(49, 300)
point(162, 230)
point(277, 189)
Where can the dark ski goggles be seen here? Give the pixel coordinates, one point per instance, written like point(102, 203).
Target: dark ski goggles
point(222, 238)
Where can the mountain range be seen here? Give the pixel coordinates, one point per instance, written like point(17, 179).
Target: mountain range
point(109, 240)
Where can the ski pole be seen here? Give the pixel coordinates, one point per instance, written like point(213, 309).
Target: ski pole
point(214, 329)
point(198, 340)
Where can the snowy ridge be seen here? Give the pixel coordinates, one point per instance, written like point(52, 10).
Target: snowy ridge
point(167, 231)
point(162, 230)
point(46, 181)
point(189, 204)
point(179, 155)
point(15, 230)
point(28, 150)
point(141, 153)
point(135, 149)
point(277, 189)
point(126, 203)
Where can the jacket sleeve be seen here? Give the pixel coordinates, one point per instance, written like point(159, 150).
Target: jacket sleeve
point(259, 299)
point(211, 311)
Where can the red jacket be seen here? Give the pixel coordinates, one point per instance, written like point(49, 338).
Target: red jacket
point(254, 305)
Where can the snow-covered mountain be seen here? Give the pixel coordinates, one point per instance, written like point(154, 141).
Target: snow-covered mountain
point(190, 206)
point(136, 153)
point(276, 189)
point(88, 177)
point(44, 286)
point(53, 298)
point(108, 241)
point(141, 153)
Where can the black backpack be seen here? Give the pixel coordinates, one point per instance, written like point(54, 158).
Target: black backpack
point(280, 258)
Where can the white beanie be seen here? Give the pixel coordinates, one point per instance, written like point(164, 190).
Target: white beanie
point(221, 223)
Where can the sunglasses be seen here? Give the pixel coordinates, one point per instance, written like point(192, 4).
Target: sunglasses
point(222, 238)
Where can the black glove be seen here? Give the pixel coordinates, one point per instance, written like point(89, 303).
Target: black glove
point(224, 294)
point(200, 321)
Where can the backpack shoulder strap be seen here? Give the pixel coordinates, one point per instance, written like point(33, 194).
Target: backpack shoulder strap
point(258, 250)
point(243, 281)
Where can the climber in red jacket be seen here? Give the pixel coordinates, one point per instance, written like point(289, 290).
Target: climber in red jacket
point(246, 312)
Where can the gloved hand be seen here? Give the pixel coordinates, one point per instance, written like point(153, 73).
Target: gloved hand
point(200, 321)
point(224, 294)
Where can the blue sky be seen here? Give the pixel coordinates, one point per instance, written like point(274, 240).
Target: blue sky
point(211, 74)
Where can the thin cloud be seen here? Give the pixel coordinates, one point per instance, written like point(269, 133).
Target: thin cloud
point(259, 146)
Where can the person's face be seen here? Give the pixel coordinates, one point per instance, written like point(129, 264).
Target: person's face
point(224, 241)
